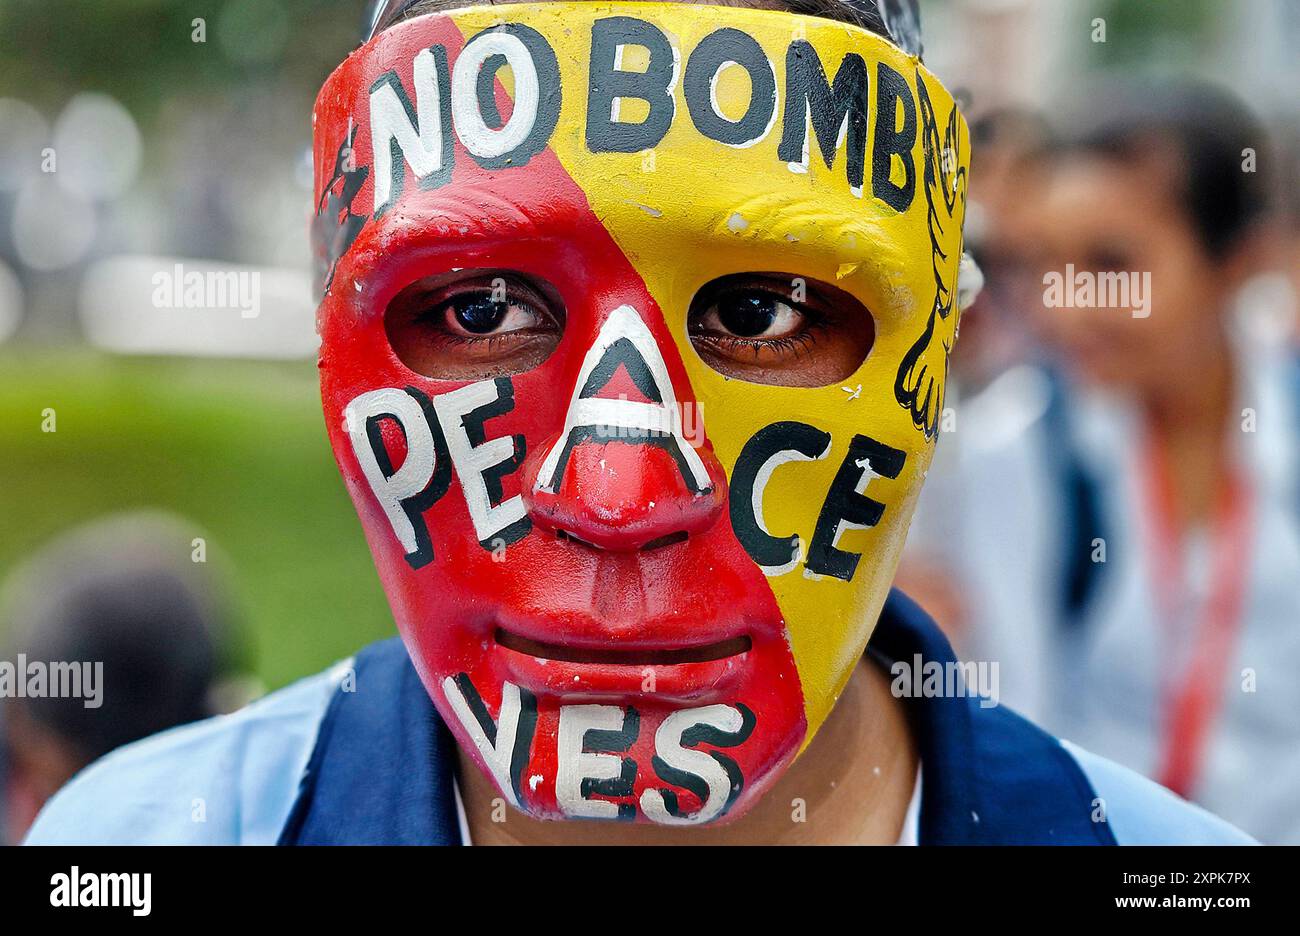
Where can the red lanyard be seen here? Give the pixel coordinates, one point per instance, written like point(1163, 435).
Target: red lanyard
point(1193, 696)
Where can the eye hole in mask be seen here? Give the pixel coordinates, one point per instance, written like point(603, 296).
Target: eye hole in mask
point(775, 328)
point(475, 324)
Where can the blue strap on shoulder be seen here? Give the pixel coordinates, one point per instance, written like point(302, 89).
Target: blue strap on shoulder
point(383, 766)
point(989, 777)
point(1081, 506)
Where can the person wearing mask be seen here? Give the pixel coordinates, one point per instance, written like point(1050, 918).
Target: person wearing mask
point(634, 336)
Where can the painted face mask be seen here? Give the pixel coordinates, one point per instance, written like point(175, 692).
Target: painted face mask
point(580, 265)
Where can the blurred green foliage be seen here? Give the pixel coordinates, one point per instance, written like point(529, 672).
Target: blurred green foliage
point(1170, 31)
point(144, 52)
point(238, 448)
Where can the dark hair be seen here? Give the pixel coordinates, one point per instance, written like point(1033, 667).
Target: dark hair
point(123, 593)
point(1209, 130)
point(865, 15)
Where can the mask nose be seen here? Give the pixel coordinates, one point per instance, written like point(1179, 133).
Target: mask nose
point(624, 495)
point(623, 475)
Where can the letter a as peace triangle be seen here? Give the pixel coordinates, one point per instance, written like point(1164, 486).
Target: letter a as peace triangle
point(625, 341)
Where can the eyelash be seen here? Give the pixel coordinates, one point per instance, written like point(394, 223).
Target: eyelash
point(436, 308)
point(434, 313)
point(813, 321)
point(448, 338)
point(793, 344)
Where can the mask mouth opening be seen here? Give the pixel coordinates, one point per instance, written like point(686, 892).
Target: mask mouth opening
point(704, 653)
point(670, 539)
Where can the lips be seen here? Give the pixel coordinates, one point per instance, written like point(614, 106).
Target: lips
point(699, 674)
point(613, 656)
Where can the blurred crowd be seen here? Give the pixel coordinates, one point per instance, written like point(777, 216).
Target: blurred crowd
point(1114, 513)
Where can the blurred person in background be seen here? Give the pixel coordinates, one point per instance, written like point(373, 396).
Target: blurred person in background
point(1008, 171)
point(126, 593)
point(1141, 594)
